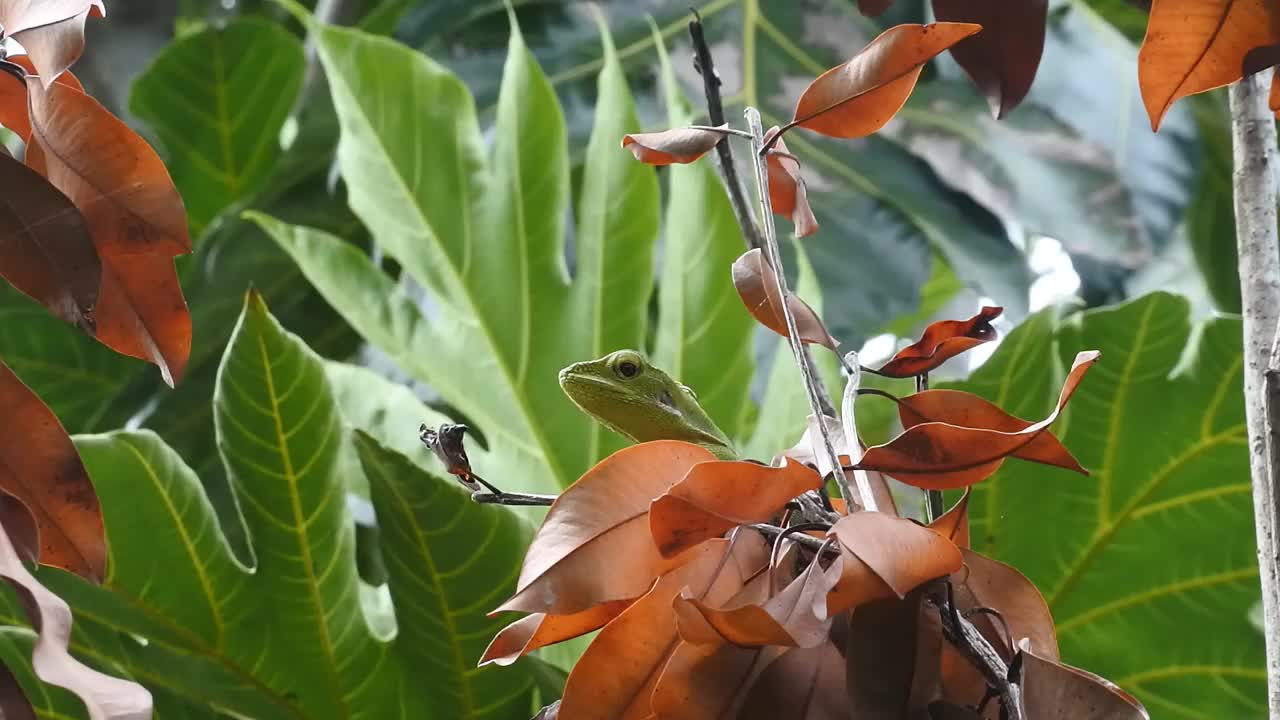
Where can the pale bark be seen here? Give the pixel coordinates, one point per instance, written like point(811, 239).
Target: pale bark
point(1253, 137)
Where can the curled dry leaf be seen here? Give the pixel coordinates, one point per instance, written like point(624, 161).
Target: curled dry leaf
point(893, 658)
point(716, 497)
point(954, 523)
point(40, 467)
point(940, 456)
point(678, 145)
point(1053, 691)
point(881, 557)
point(987, 583)
point(1197, 45)
point(14, 111)
point(1003, 58)
point(135, 217)
point(800, 684)
point(787, 193)
point(755, 281)
point(594, 545)
point(45, 247)
point(539, 630)
point(942, 341)
point(615, 677)
point(105, 697)
point(805, 452)
point(51, 31)
point(786, 619)
point(857, 98)
point(955, 407)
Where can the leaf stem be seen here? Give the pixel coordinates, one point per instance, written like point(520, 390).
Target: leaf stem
point(715, 112)
point(512, 499)
point(721, 129)
point(935, 502)
point(774, 256)
point(851, 438)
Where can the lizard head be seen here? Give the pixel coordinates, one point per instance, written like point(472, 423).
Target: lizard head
point(627, 394)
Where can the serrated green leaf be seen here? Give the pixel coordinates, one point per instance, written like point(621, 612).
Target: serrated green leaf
point(450, 561)
point(218, 99)
point(1148, 565)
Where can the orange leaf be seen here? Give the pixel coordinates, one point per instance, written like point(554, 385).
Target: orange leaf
point(51, 32)
point(141, 312)
point(882, 556)
point(787, 193)
point(717, 496)
point(45, 248)
point(41, 468)
point(942, 341)
point(1197, 45)
point(1003, 58)
point(1274, 101)
point(955, 407)
point(14, 113)
point(954, 523)
point(678, 145)
point(786, 619)
point(1053, 691)
point(594, 545)
point(754, 279)
point(939, 456)
point(857, 98)
point(539, 629)
point(805, 451)
point(992, 584)
point(614, 679)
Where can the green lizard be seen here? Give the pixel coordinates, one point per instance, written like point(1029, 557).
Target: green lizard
point(633, 398)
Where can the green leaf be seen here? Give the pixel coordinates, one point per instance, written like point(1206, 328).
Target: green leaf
point(1211, 219)
point(1125, 15)
point(704, 339)
point(449, 561)
point(1148, 565)
point(218, 100)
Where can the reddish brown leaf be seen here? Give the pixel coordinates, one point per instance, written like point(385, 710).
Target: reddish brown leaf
point(754, 279)
point(885, 557)
point(1053, 691)
point(718, 496)
point(805, 451)
point(14, 111)
point(1003, 58)
point(539, 629)
point(954, 523)
point(801, 684)
point(786, 619)
point(987, 583)
point(942, 341)
point(857, 98)
point(1197, 45)
point(1274, 100)
point(41, 468)
point(893, 658)
point(968, 410)
point(104, 697)
point(615, 678)
point(873, 8)
point(939, 456)
point(45, 247)
point(678, 145)
point(51, 31)
point(14, 704)
point(594, 545)
point(787, 193)
point(141, 312)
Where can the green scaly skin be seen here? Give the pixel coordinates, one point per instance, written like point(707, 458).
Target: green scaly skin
point(626, 394)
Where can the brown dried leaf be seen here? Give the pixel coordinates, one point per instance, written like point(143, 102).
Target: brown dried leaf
point(677, 145)
point(954, 523)
point(882, 556)
point(873, 8)
point(718, 496)
point(594, 545)
point(893, 658)
point(45, 248)
point(955, 407)
point(616, 676)
point(857, 98)
point(940, 342)
point(987, 583)
point(40, 467)
point(1053, 691)
point(51, 31)
point(14, 111)
point(105, 697)
point(800, 684)
point(787, 193)
point(1197, 45)
point(539, 630)
point(1003, 58)
point(939, 456)
point(805, 451)
point(755, 281)
point(141, 312)
point(14, 704)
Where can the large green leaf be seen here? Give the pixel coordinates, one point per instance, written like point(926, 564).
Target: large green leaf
point(1148, 565)
point(290, 638)
point(218, 99)
point(1211, 220)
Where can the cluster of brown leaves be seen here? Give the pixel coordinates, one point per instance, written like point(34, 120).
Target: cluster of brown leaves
point(91, 224)
point(659, 547)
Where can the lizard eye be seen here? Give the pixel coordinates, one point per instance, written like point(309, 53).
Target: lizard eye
point(628, 369)
point(627, 364)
